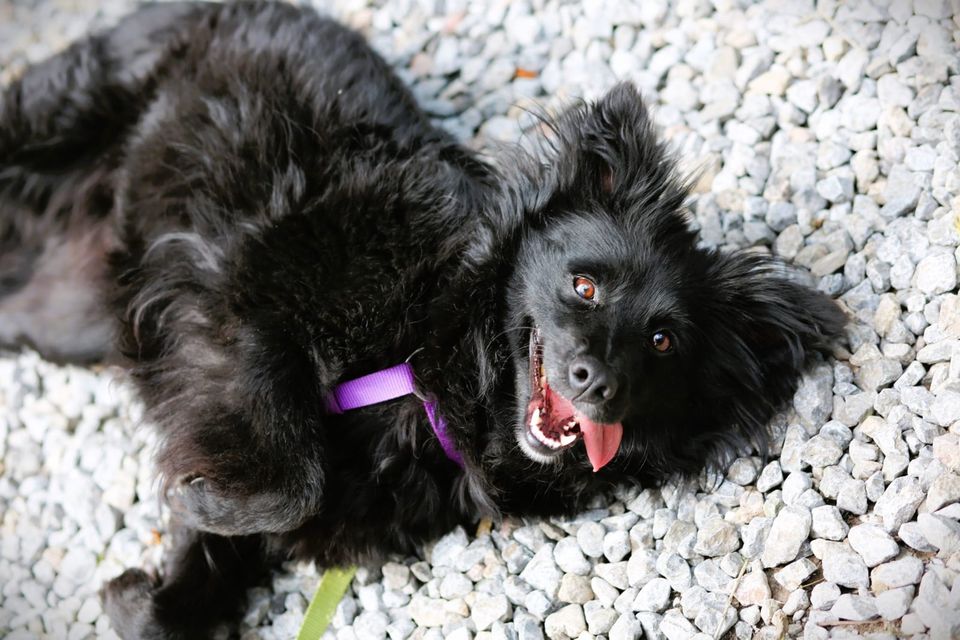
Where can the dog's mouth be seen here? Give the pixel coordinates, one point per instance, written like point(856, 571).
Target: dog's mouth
point(553, 423)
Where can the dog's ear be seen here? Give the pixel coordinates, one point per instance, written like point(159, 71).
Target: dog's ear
point(761, 331)
point(609, 151)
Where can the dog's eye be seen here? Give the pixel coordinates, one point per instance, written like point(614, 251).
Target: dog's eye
point(662, 341)
point(585, 287)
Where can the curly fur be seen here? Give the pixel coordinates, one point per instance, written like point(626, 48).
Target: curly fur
point(249, 207)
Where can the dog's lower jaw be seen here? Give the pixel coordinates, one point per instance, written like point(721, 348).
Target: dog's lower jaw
point(529, 451)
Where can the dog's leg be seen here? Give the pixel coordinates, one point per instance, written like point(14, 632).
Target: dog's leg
point(62, 130)
point(204, 582)
point(67, 115)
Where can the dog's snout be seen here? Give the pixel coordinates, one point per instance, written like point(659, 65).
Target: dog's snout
point(591, 380)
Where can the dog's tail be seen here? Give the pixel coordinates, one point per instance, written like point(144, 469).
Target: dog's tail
point(62, 126)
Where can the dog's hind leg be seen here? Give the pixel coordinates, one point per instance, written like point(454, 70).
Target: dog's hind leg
point(63, 126)
point(52, 294)
point(69, 115)
point(204, 582)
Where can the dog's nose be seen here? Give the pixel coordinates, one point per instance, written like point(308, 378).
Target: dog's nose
point(591, 380)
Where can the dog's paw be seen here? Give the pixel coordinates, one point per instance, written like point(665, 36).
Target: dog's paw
point(128, 602)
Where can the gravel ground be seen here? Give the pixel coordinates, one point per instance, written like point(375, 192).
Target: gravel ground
point(827, 133)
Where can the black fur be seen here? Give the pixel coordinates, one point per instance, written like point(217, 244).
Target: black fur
point(247, 207)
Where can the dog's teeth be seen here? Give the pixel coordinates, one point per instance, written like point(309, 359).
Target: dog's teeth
point(535, 419)
point(567, 439)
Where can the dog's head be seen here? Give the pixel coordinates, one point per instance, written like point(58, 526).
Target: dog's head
point(632, 345)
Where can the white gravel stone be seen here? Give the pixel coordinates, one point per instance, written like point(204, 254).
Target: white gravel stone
point(873, 544)
point(827, 523)
point(590, 536)
point(566, 623)
point(857, 608)
point(841, 564)
point(654, 596)
point(824, 595)
point(941, 532)
point(790, 529)
point(893, 604)
point(899, 573)
point(936, 274)
point(542, 572)
point(899, 502)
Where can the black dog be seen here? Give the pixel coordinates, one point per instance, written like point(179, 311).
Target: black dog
point(247, 207)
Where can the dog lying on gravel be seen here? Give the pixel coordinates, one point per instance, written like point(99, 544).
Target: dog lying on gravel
point(245, 206)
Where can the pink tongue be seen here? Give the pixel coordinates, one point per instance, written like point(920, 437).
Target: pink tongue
point(601, 440)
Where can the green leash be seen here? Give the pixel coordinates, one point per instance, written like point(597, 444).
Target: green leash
point(333, 585)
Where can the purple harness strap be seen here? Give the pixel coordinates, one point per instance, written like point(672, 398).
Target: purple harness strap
point(389, 384)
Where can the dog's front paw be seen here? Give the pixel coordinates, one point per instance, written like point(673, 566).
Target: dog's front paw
point(128, 602)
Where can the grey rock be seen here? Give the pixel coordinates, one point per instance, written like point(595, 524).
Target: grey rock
point(641, 568)
point(711, 577)
point(814, 399)
point(527, 627)
point(852, 496)
point(454, 585)
point(674, 626)
point(941, 532)
point(575, 589)
point(604, 591)
point(717, 537)
point(654, 596)
point(824, 595)
point(650, 622)
point(841, 564)
point(945, 408)
point(627, 627)
point(899, 573)
point(566, 623)
point(792, 576)
point(616, 545)
point(912, 536)
point(893, 604)
point(944, 490)
point(742, 471)
point(599, 619)
point(821, 452)
point(569, 557)
point(675, 569)
point(487, 609)
point(613, 572)
point(899, 502)
point(901, 193)
point(936, 274)
point(754, 536)
point(827, 523)
point(590, 537)
point(935, 604)
point(753, 589)
point(873, 544)
point(542, 572)
point(877, 373)
point(681, 537)
point(790, 529)
point(857, 608)
point(770, 477)
point(795, 485)
point(447, 549)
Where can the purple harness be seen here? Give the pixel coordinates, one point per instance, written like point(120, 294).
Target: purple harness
point(389, 384)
